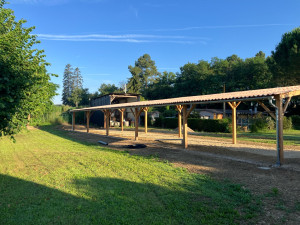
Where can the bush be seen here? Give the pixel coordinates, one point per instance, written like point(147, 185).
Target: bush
point(296, 121)
point(262, 124)
point(207, 125)
point(287, 123)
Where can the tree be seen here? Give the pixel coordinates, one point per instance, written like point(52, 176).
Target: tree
point(285, 60)
point(67, 84)
point(76, 96)
point(25, 85)
point(144, 73)
point(107, 89)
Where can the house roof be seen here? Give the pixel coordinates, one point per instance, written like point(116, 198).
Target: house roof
point(204, 99)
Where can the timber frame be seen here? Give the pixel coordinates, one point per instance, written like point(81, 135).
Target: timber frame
point(281, 95)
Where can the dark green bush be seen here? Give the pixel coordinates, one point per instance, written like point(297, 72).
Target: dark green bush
point(296, 122)
point(207, 125)
point(262, 124)
point(287, 123)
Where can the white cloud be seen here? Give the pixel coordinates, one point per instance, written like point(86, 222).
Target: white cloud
point(130, 38)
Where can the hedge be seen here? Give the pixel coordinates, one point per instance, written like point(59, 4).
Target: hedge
point(207, 125)
point(296, 121)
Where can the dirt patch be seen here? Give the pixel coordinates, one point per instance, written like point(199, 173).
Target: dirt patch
point(250, 164)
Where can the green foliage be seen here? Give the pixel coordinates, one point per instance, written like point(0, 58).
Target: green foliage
point(296, 121)
point(206, 125)
point(57, 114)
point(107, 89)
point(262, 124)
point(209, 125)
point(144, 73)
point(25, 85)
point(285, 60)
point(287, 123)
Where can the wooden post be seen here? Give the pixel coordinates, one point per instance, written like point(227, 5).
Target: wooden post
point(104, 125)
point(145, 109)
point(185, 116)
point(233, 106)
point(88, 113)
point(136, 122)
point(280, 129)
point(122, 118)
point(179, 108)
point(107, 112)
point(73, 121)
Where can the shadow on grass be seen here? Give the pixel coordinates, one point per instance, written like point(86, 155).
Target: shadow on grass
point(116, 201)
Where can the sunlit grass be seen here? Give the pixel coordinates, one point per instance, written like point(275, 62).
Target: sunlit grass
point(48, 179)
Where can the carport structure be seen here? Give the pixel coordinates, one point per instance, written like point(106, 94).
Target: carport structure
point(277, 98)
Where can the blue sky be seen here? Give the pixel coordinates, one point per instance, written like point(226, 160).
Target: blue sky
point(103, 37)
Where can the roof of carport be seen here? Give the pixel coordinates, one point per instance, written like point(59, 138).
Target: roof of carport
point(202, 99)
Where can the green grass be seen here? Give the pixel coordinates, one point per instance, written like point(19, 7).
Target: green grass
point(46, 178)
point(291, 137)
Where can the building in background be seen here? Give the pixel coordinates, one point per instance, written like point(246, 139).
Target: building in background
point(114, 98)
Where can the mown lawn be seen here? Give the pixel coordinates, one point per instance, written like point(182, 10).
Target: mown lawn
point(290, 137)
point(46, 178)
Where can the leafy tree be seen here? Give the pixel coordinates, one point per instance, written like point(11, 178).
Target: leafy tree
point(144, 73)
point(285, 60)
point(25, 85)
point(67, 84)
point(107, 89)
point(76, 96)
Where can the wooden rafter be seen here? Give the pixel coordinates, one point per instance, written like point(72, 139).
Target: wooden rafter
point(267, 109)
point(286, 104)
point(191, 109)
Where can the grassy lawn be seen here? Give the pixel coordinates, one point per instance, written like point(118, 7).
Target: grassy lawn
point(46, 178)
point(291, 137)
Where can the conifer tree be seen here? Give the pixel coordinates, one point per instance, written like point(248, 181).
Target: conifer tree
point(67, 84)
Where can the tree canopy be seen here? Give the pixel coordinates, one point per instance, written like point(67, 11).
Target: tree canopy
point(25, 85)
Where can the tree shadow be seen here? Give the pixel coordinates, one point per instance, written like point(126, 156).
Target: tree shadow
point(116, 201)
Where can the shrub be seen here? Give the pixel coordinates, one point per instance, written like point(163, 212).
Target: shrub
point(262, 124)
point(296, 121)
point(287, 123)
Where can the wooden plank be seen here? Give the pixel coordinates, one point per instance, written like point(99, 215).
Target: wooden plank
point(73, 121)
point(280, 128)
point(286, 104)
point(291, 94)
point(185, 137)
point(88, 113)
point(191, 109)
point(136, 123)
point(267, 109)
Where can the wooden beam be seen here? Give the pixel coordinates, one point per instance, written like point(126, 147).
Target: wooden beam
point(73, 121)
point(280, 129)
point(286, 104)
point(267, 110)
point(145, 109)
point(107, 112)
point(185, 137)
point(88, 114)
point(179, 109)
point(191, 109)
point(291, 94)
point(233, 106)
point(136, 123)
point(122, 118)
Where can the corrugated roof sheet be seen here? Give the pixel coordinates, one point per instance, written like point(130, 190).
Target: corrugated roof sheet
point(201, 99)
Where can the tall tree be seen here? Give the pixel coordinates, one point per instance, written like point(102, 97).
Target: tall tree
point(67, 84)
point(144, 73)
point(76, 87)
point(25, 85)
point(285, 60)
